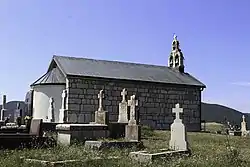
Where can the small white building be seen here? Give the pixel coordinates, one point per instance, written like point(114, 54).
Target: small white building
point(49, 85)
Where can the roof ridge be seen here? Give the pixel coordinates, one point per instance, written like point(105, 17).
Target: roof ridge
point(112, 61)
point(80, 66)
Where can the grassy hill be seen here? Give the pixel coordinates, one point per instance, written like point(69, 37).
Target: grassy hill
point(218, 113)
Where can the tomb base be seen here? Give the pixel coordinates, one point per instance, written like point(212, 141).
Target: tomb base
point(49, 126)
point(133, 132)
point(235, 133)
point(117, 130)
point(63, 115)
point(71, 133)
point(99, 145)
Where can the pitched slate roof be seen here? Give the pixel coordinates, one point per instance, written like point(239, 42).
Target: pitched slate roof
point(53, 76)
point(122, 70)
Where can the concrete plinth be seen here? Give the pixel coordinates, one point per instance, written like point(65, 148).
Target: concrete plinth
point(71, 133)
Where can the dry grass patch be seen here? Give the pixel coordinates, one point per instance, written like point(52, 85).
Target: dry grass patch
point(208, 150)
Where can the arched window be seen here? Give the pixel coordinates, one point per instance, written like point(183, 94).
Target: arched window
point(176, 61)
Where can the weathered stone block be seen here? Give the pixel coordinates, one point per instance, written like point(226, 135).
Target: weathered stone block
point(133, 132)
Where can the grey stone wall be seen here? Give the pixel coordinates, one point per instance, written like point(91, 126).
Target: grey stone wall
point(155, 101)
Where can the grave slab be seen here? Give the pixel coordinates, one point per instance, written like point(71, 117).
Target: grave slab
point(99, 145)
point(147, 157)
point(71, 133)
point(65, 162)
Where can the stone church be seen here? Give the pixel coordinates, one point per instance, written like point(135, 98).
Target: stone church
point(158, 89)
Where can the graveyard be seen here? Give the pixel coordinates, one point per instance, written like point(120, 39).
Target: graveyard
point(207, 150)
point(127, 142)
point(30, 140)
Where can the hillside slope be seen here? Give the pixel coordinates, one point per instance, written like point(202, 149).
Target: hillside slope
point(209, 112)
point(218, 113)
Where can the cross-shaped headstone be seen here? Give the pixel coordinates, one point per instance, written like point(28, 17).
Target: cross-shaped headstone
point(243, 118)
point(177, 110)
point(132, 103)
point(100, 97)
point(123, 94)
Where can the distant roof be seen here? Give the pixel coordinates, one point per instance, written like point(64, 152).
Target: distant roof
point(54, 76)
point(115, 70)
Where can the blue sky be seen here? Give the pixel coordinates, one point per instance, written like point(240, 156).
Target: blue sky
point(214, 37)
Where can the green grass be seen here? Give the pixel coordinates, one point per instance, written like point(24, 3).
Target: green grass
point(208, 150)
point(213, 127)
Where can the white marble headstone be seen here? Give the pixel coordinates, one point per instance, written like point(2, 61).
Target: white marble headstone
point(123, 108)
point(244, 131)
point(243, 124)
point(178, 140)
point(63, 107)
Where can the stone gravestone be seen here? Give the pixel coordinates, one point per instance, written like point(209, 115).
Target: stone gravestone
point(62, 112)
point(132, 130)
point(243, 127)
point(35, 127)
point(178, 140)
point(3, 108)
point(51, 110)
point(123, 108)
point(101, 116)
